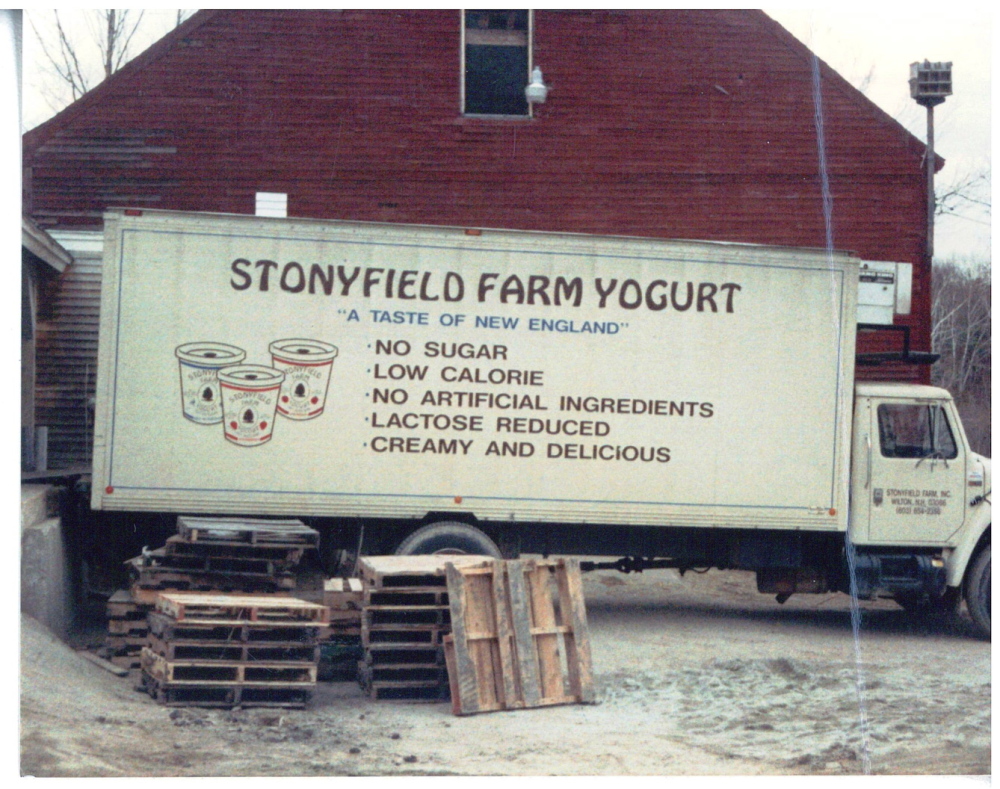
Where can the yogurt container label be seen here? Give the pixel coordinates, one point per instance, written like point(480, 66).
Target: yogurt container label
point(307, 365)
point(249, 399)
point(200, 362)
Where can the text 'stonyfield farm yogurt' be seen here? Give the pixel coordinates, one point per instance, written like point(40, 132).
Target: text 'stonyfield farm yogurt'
point(200, 363)
point(306, 365)
point(249, 397)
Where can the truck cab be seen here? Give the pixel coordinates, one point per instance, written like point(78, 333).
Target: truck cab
point(915, 482)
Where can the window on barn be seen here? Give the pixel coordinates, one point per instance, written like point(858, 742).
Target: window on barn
point(496, 63)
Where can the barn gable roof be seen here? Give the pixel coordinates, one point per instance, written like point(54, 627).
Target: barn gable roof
point(181, 35)
point(159, 49)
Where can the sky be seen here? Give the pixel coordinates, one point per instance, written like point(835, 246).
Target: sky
point(870, 46)
point(883, 42)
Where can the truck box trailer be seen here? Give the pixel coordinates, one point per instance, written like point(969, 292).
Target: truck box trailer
point(417, 389)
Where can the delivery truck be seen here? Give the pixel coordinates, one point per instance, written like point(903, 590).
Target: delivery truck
point(418, 389)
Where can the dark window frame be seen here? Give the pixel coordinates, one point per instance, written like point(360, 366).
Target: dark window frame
point(506, 44)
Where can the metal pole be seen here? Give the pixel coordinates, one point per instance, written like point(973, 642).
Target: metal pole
point(930, 184)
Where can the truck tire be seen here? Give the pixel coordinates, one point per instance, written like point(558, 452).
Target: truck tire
point(977, 591)
point(943, 607)
point(448, 537)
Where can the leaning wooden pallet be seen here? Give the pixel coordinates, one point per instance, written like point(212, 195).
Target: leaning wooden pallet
point(509, 620)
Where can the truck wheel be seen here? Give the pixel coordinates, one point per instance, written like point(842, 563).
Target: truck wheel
point(977, 591)
point(448, 537)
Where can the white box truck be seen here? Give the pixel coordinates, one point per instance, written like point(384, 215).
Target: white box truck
point(420, 389)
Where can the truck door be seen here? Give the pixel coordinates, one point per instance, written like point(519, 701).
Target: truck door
point(911, 486)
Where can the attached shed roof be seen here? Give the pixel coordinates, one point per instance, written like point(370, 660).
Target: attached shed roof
point(43, 246)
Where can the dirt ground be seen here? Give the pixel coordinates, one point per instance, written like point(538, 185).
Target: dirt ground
point(697, 675)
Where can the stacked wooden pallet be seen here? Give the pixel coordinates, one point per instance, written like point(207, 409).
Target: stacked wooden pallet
point(345, 599)
point(340, 641)
point(232, 650)
point(222, 555)
point(519, 636)
point(127, 629)
point(405, 616)
point(213, 555)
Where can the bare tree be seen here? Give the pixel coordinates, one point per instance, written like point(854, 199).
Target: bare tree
point(961, 331)
point(120, 31)
point(79, 49)
point(117, 31)
point(968, 190)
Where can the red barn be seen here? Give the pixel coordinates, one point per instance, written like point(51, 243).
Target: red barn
point(677, 124)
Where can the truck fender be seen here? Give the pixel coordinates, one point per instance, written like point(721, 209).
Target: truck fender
point(976, 534)
point(445, 537)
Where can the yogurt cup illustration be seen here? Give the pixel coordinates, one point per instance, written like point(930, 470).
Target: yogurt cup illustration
point(306, 365)
point(200, 363)
point(249, 398)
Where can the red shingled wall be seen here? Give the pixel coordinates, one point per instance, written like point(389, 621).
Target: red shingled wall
point(682, 124)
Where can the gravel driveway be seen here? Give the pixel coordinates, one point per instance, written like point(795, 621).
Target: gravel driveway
point(695, 675)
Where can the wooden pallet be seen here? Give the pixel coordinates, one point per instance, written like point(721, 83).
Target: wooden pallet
point(406, 597)
point(393, 616)
point(286, 533)
point(148, 575)
point(212, 673)
point(403, 656)
point(123, 627)
point(180, 694)
point(417, 636)
point(343, 594)
point(405, 615)
point(177, 546)
point(423, 689)
point(404, 674)
point(130, 661)
point(121, 606)
point(383, 675)
point(508, 621)
point(242, 631)
point(238, 651)
point(230, 609)
point(208, 563)
point(148, 596)
point(127, 630)
point(338, 629)
point(413, 572)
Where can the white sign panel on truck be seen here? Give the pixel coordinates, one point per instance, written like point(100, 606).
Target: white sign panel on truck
point(314, 368)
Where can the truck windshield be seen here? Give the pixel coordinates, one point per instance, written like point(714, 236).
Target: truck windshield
point(915, 431)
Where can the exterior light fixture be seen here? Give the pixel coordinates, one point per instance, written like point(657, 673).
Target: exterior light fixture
point(930, 83)
point(536, 91)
